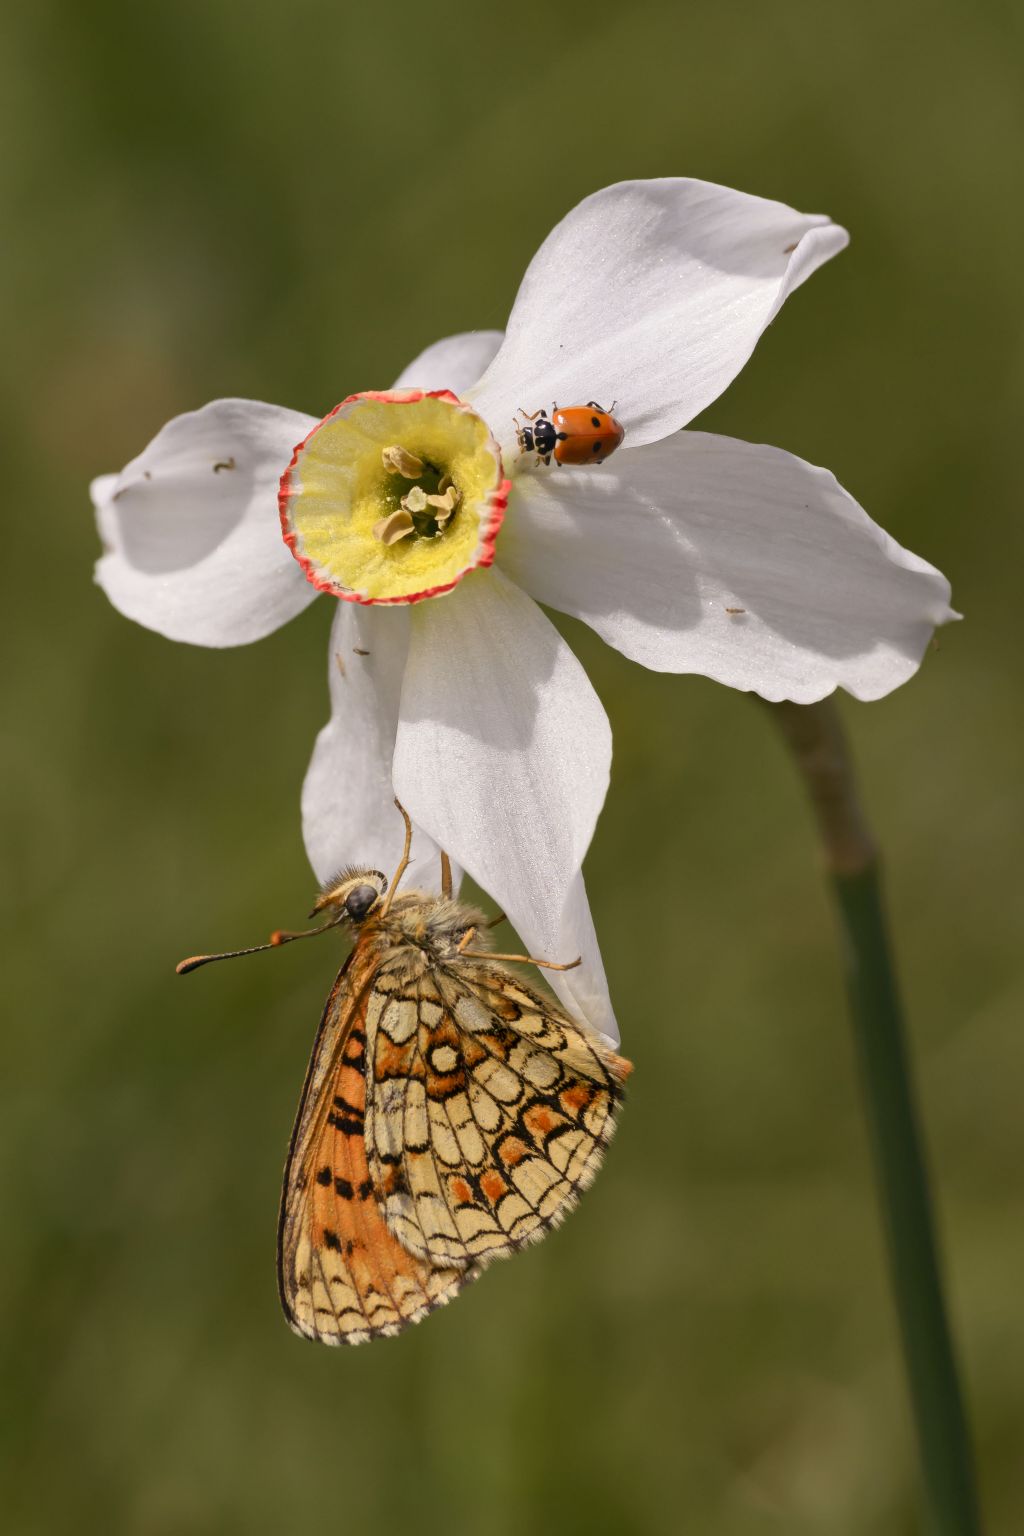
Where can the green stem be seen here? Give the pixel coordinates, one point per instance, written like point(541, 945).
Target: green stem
point(815, 736)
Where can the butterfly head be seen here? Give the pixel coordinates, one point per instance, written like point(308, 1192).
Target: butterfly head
point(352, 896)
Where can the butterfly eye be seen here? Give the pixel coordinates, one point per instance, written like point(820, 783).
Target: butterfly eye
point(359, 901)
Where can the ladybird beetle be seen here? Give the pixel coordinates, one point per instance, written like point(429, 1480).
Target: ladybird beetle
point(573, 434)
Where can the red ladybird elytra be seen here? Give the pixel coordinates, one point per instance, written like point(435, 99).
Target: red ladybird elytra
point(573, 434)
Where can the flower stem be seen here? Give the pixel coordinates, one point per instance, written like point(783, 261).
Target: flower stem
point(818, 743)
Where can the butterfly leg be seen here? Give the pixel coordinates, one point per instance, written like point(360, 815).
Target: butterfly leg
point(403, 863)
point(547, 965)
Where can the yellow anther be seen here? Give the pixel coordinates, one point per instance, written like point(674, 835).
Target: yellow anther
point(399, 461)
point(444, 505)
point(390, 529)
point(415, 500)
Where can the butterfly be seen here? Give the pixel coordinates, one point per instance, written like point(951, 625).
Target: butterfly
point(449, 1116)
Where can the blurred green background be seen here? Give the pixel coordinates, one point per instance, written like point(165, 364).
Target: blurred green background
point(208, 198)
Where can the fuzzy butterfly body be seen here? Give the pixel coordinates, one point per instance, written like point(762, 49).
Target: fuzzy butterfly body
point(450, 1115)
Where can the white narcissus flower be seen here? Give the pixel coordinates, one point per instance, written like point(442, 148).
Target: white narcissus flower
point(688, 552)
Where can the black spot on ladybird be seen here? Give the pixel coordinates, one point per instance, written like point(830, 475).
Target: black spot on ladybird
point(595, 421)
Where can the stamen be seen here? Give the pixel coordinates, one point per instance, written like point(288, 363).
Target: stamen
point(445, 505)
point(415, 500)
point(399, 461)
point(398, 526)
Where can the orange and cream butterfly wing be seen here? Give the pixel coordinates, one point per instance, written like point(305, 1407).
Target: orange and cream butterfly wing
point(490, 1111)
point(343, 1277)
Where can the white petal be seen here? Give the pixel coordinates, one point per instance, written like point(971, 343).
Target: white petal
point(191, 527)
point(454, 363)
point(349, 816)
point(584, 991)
point(652, 294)
point(101, 491)
point(503, 755)
point(654, 549)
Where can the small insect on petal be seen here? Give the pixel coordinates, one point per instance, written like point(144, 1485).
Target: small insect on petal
point(573, 434)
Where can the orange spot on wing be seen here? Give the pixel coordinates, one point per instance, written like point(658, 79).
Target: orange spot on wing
point(540, 1119)
point(391, 1060)
point(472, 1052)
point(493, 1185)
point(575, 1098)
point(512, 1151)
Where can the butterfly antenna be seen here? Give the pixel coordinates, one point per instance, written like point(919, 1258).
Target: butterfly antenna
point(277, 938)
point(403, 863)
